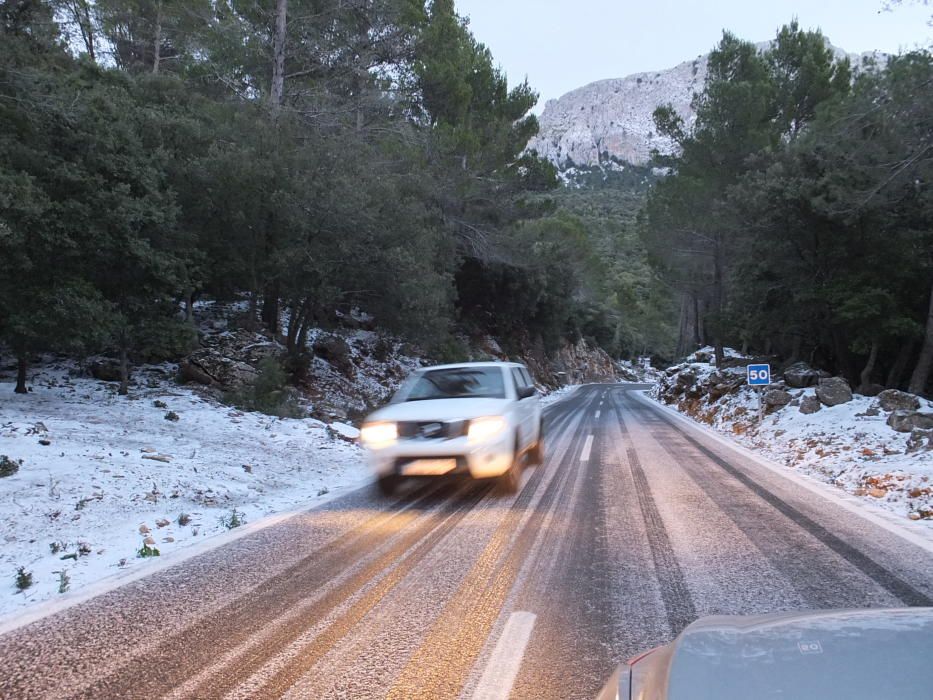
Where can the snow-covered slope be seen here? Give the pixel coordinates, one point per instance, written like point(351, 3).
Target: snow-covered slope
point(100, 473)
point(850, 445)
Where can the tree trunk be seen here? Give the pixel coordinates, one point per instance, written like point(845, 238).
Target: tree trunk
point(900, 364)
point(302, 342)
point(278, 56)
point(682, 329)
point(865, 377)
point(82, 14)
point(718, 303)
point(157, 42)
point(918, 380)
point(270, 307)
point(699, 332)
point(843, 363)
point(21, 361)
point(795, 350)
point(124, 371)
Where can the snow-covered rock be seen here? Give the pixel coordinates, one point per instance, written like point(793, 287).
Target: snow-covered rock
point(849, 444)
point(833, 391)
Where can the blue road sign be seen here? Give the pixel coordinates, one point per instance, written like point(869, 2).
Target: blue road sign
point(759, 375)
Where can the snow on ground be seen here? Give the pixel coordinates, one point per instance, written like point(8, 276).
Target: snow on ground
point(849, 445)
point(558, 394)
point(101, 472)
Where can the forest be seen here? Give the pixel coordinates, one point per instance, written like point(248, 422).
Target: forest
point(797, 218)
point(320, 156)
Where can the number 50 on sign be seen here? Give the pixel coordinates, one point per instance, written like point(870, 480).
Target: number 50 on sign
point(759, 375)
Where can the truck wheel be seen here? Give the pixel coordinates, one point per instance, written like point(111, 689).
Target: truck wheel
point(387, 484)
point(511, 481)
point(536, 454)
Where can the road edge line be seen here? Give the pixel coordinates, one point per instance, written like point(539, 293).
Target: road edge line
point(867, 511)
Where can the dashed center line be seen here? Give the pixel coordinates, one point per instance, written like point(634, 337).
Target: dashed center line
point(499, 677)
point(587, 446)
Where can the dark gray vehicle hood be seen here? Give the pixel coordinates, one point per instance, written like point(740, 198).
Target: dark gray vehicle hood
point(849, 654)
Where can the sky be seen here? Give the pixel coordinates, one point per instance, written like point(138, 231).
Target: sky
point(565, 44)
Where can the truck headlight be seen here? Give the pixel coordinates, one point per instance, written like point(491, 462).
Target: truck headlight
point(376, 435)
point(482, 429)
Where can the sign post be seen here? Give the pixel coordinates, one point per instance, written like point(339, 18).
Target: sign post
point(759, 376)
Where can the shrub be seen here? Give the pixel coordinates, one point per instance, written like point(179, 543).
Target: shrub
point(23, 578)
point(63, 581)
point(269, 393)
point(172, 416)
point(234, 519)
point(184, 519)
point(159, 404)
point(8, 467)
point(147, 551)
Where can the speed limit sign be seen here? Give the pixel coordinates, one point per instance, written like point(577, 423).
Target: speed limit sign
point(759, 375)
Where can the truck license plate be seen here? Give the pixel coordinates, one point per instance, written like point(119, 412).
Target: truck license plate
point(429, 467)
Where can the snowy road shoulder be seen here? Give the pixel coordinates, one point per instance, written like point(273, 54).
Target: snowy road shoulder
point(106, 480)
point(918, 533)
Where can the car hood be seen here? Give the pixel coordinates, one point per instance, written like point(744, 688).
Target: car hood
point(440, 409)
point(825, 655)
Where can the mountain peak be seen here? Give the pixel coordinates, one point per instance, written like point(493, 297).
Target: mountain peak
point(611, 121)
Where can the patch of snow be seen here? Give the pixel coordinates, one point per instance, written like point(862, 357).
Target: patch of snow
point(102, 472)
point(558, 394)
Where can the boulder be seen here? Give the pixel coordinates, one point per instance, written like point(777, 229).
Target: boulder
point(336, 351)
point(721, 388)
point(105, 370)
point(776, 398)
point(208, 366)
point(190, 372)
point(919, 440)
point(907, 421)
point(894, 400)
point(869, 389)
point(810, 404)
point(685, 379)
point(800, 375)
point(833, 391)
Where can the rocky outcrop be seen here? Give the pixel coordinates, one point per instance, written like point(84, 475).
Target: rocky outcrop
point(613, 119)
point(609, 123)
point(336, 351)
point(834, 391)
point(210, 367)
point(579, 363)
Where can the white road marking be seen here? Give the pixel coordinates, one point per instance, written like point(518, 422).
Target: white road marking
point(597, 413)
point(587, 446)
point(500, 673)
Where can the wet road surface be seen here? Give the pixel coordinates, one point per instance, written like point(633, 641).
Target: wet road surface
point(631, 529)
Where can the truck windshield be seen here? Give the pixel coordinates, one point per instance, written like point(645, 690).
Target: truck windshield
point(456, 383)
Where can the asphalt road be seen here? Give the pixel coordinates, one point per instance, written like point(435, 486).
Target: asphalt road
point(631, 529)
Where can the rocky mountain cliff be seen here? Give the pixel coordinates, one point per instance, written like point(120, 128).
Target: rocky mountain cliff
point(610, 121)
